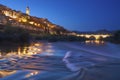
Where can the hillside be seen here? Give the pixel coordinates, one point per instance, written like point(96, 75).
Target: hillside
point(18, 19)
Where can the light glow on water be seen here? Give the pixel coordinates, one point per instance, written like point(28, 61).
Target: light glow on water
point(26, 51)
point(4, 73)
point(97, 42)
point(32, 73)
point(47, 61)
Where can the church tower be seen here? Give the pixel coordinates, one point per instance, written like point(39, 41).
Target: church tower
point(27, 11)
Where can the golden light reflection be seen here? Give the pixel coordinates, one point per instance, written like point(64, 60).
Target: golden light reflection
point(25, 51)
point(97, 42)
point(49, 51)
point(5, 73)
point(37, 44)
point(49, 46)
point(32, 73)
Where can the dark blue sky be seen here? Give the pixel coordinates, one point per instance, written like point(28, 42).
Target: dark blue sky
point(82, 15)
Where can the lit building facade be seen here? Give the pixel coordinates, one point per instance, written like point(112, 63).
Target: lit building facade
point(28, 10)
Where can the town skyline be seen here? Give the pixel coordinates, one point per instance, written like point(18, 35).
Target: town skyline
point(87, 22)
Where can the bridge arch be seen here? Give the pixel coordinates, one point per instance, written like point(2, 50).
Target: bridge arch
point(92, 37)
point(95, 36)
point(101, 37)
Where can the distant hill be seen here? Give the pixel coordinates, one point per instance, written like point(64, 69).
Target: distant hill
point(104, 31)
point(32, 23)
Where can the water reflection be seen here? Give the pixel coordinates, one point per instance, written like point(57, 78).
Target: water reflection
point(97, 42)
point(7, 51)
point(32, 73)
point(49, 51)
point(5, 73)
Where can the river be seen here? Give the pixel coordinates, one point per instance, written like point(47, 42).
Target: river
point(91, 60)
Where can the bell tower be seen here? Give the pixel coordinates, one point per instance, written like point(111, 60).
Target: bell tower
point(28, 10)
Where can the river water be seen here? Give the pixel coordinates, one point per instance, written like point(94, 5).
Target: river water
point(92, 60)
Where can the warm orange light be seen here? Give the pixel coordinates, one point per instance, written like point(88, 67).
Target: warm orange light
point(38, 24)
point(97, 37)
point(31, 23)
point(14, 16)
point(35, 24)
point(24, 20)
point(6, 13)
point(32, 74)
point(4, 73)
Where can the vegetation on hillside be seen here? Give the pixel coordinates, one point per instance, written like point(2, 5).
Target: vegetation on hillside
point(14, 34)
point(17, 34)
point(58, 37)
point(115, 38)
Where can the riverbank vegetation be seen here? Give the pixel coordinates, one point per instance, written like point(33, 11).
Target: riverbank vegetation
point(115, 38)
point(58, 37)
point(17, 34)
point(14, 34)
point(20, 35)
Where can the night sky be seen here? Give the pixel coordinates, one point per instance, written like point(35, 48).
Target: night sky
point(82, 15)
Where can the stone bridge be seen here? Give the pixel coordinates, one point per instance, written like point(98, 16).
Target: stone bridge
point(94, 36)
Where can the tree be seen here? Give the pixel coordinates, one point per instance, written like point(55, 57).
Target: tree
point(117, 35)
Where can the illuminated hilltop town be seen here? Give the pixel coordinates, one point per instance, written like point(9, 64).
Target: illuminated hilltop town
point(24, 20)
point(35, 24)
